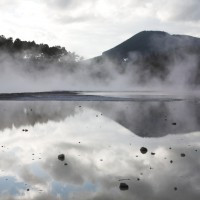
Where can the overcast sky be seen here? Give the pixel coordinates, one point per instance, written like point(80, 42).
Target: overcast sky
point(89, 27)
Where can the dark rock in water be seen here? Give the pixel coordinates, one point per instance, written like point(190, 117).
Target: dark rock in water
point(123, 186)
point(175, 188)
point(143, 150)
point(182, 155)
point(27, 189)
point(65, 164)
point(174, 123)
point(138, 179)
point(61, 157)
point(152, 153)
point(171, 161)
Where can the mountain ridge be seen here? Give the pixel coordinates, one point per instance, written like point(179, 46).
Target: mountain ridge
point(146, 42)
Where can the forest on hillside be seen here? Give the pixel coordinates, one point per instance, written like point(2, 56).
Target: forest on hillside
point(38, 55)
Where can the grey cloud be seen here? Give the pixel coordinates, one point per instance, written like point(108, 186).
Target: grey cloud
point(65, 19)
point(4, 3)
point(186, 10)
point(63, 4)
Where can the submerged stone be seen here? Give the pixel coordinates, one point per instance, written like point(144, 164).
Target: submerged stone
point(123, 186)
point(61, 157)
point(143, 150)
point(182, 155)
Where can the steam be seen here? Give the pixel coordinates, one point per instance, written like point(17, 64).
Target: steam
point(20, 75)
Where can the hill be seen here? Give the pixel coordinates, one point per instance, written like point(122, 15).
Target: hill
point(148, 42)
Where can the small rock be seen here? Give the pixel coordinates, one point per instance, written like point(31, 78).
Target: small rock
point(27, 189)
point(174, 123)
point(123, 186)
point(171, 161)
point(175, 188)
point(143, 150)
point(152, 153)
point(65, 164)
point(61, 157)
point(182, 155)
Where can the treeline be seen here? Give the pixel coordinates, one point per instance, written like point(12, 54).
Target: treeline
point(36, 52)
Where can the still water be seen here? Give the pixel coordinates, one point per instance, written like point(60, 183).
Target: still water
point(92, 150)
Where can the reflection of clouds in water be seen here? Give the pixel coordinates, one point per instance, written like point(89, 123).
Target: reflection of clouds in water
point(98, 152)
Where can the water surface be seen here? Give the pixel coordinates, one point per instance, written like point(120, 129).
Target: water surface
point(101, 142)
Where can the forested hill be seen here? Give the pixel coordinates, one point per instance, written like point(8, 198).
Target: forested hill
point(34, 51)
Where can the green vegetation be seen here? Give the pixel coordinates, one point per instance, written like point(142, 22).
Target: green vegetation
point(36, 52)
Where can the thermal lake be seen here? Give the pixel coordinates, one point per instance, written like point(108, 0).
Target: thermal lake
point(100, 146)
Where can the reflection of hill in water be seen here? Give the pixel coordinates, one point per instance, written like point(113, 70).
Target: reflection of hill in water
point(146, 119)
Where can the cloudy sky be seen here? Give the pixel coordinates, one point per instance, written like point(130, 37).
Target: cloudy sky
point(89, 27)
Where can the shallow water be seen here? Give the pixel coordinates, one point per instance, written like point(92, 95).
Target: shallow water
point(101, 143)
